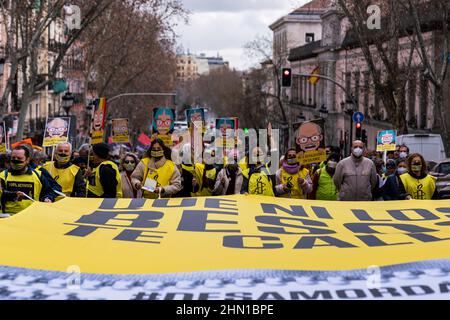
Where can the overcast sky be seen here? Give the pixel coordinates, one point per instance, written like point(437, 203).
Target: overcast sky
point(224, 26)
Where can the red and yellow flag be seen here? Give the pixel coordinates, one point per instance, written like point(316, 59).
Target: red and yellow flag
point(313, 79)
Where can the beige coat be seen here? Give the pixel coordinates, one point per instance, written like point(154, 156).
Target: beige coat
point(127, 188)
point(175, 181)
point(355, 179)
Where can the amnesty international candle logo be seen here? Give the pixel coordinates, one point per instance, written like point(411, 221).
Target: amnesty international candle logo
point(56, 131)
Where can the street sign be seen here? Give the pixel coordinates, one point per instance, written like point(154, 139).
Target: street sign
point(386, 140)
point(358, 117)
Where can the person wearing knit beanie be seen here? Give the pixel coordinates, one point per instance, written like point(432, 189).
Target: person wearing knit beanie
point(101, 150)
point(105, 180)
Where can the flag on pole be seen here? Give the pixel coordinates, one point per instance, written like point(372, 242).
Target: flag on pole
point(313, 79)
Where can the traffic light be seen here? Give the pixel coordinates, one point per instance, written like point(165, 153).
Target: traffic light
point(286, 77)
point(358, 131)
point(364, 137)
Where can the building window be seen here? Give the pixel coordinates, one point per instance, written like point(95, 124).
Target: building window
point(309, 37)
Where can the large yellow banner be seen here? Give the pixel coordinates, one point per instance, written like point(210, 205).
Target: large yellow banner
point(236, 232)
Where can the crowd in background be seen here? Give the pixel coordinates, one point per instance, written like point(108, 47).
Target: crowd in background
point(92, 172)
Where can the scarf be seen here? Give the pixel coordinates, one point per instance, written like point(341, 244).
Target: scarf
point(291, 169)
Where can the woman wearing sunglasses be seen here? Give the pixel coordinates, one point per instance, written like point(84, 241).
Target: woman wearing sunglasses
point(128, 164)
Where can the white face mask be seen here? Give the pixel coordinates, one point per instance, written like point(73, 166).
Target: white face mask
point(402, 170)
point(357, 152)
point(403, 155)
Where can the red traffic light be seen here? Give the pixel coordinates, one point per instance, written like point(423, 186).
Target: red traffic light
point(358, 125)
point(287, 73)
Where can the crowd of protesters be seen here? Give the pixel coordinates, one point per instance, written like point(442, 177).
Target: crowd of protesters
point(91, 171)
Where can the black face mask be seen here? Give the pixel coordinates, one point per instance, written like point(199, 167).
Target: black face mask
point(17, 165)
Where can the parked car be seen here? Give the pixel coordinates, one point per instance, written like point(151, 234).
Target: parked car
point(428, 145)
point(441, 171)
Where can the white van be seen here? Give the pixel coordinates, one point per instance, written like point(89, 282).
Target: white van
point(428, 145)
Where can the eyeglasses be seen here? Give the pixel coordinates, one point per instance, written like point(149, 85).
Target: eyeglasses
point(313, 139)
point(129, 162)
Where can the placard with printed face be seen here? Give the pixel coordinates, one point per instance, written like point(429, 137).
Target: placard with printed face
point(195, 117)
point(56, 131)
point(2, 137)
point(99, 121)
point(163, 124)
point(226, 132)
point(310, 141)
point(120, 131)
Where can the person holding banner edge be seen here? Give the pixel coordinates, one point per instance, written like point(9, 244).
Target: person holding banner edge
point(21, 185)
point(68, 175)
point(293, 180)
point(157, 175)
point(417, 184)
point(105, 180)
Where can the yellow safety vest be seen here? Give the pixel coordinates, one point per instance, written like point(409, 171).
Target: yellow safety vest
point(64, 177)
point(96, 187)
point(30, 184)
point(419, 189)
point(296, 191)
point(243, 164)
point(259, 183)
point(210, 175)
point(162, 176)
point(196, 171)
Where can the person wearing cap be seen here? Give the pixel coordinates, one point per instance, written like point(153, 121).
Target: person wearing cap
point(105, 180)
point(323, 186)
point(66, 174)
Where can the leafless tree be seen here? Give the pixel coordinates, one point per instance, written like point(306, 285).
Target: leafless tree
point(26, 23)
point(131, 50)
point(382, 47)
point(437, 13)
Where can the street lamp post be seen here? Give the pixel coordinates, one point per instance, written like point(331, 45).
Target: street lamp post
point(67, 102)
